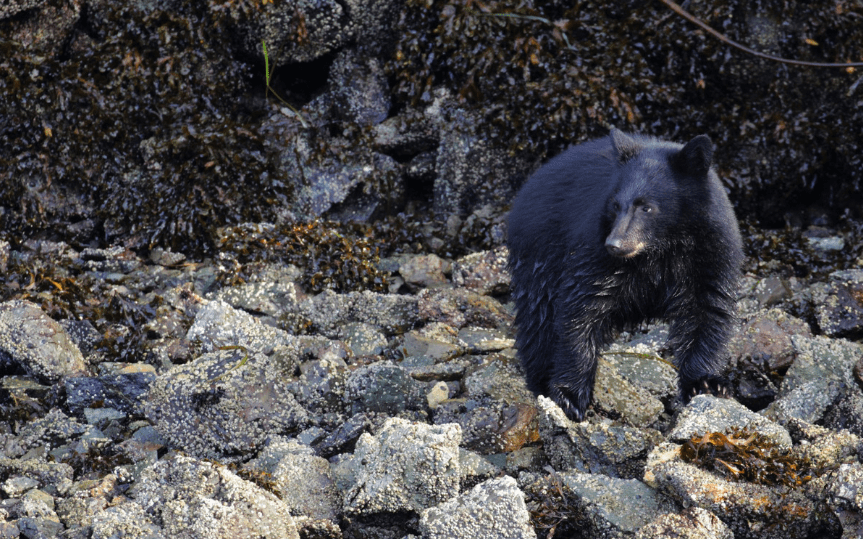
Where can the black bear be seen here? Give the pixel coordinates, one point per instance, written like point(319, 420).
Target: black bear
point(611, 233)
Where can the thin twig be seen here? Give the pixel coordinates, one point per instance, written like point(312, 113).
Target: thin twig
point(721, 37)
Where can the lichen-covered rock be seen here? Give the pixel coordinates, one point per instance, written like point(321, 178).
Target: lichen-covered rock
point(383, 387)
point(36, 343)
point(807, 402)
point(405, 467)
point(424, 270)
point(186, 498)
point(845, 492)
point(840, 314)
point(218, 325)
point(224, 404)
point(490, 426)
point(494, 509)
point(459, 307)
point(821, 359)
point(613, 393)
point(766, 339)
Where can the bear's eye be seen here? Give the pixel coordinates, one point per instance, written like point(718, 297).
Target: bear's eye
point(646, 209)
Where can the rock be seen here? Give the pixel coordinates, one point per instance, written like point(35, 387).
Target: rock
point(38, 344)
point(692, 523)
point(765, 340)
point(494, 509)
point(484, 340)
point(223, 404)
point(270, 298)
point(405, 467)
point(302, 480)
point(500, 378)
point(439, 349)
point(321, 386)
point(807, 402)
point(382, 387)
point(706, 413)
point(45, 31)
point(489, 426)
point(219, 325)
point(615, 507)
point(124, 392)
point(840, 314)
point(484, 272)
point(364, 339)
point(845, 493)
point(613, 449)
point(614, 394)
point(424, 270)
point(770, 291)
point(187, 498)
point(820, 359)
point(751, 510)
point(460, 307)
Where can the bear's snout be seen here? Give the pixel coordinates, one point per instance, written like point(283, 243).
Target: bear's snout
point(616, 247)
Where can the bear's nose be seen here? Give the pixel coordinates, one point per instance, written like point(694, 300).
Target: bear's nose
point(615, 247)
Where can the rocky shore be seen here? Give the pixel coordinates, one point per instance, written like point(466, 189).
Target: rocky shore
point(258, 409)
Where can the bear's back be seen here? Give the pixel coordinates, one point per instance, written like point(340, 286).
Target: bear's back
point(562, 203)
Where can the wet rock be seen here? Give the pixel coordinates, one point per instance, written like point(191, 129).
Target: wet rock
point(405, 467)
point(391, 313)
point(612, 449)
point(45, 30)
point(424, 270)
point(359, 89)
point(460, 307)
point(270, 298)
point(706, 413)
point(424, 368)
point(50, 431)
point(223, 404)
point(770, 291)
point(494, 509)
point(383, 387)
point(489, 426)
point(640, 363)
point(847, 412)
point(750, 510)
point(692, 523)
point(615, 507)
point(484, 272)
point(218, 325)
point(840, 314)
point(189, 498)
point(321, 386)
point(36, 343)
point(611, 392)
point(438, 347)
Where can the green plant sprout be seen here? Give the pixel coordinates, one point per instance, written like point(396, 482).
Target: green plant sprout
point(269, 73)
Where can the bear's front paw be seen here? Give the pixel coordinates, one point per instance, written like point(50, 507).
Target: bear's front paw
point(573, 403)
point(718, 386)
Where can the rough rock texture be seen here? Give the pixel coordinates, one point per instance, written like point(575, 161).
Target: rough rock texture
point(706, 413)
point(692, 523)
point(38, 344)
point(224, 403)
point(405, 467)
point(493, 509)
point(186, 498)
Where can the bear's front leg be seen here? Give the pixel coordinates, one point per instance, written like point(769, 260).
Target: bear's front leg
point(574, 366)
point(698, 336)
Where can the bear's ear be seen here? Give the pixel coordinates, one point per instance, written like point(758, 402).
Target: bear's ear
point(625, 147)
point(696, 157)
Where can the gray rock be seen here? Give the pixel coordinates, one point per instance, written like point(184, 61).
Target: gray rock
point(845, 492)
point(692, 523)
point(636, 405)
point(344, 436)
point(405, 467)
point(807, 402)
point(706, 413)
point(321, 386)
point(223, 404)
point(270, 298)
point(605, 447)
point(301, 479)
point(127, 520)
point(328, 311)
point(124, 392)
point(494, 509)
point(358, 88)
point(52, 430)
point(218, 325)
point(484, 340)
point(424, 270)
point(483, 272)
point(820, 359)
point(438, 347)
point(765, 340)
point(500, 378)
point(382, 387)
point(616, 507)
point(364, 339)
point(17, 485)
point(639, 362)
point(192, 499)
point(12, 7)
point(475, 468)
point(770, 291)
point(38, 344)
point(490, 426)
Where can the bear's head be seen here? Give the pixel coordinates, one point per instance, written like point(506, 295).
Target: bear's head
point(658, 187)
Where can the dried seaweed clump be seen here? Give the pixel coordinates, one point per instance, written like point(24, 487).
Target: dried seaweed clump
point(742, 455)
point(554, 510)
